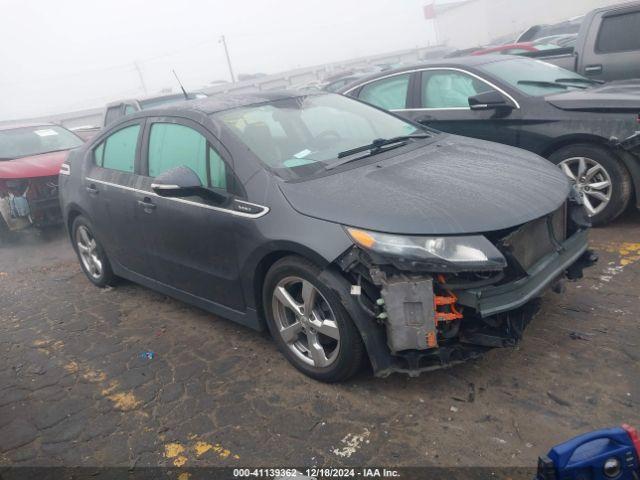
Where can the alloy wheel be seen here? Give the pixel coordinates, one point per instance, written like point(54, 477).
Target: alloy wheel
point(591, 180)
point(305, 322)
point(88, 250)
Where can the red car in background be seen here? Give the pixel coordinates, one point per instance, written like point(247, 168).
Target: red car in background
point(30, 160)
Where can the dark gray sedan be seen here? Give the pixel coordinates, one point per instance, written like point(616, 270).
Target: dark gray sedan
point(348, 232)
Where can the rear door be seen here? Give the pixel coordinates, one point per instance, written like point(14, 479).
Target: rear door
point(612, 48)
point(112, 188)
point(193, 239)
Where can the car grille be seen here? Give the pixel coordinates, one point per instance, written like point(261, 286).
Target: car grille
point(535, 239)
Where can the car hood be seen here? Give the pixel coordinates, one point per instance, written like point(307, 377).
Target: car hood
point(455, 185)
point(43, 165)
point(623, 95)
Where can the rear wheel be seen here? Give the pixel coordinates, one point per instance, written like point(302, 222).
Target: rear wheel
point(308, 322)
point(93, 259)
point(601, 179)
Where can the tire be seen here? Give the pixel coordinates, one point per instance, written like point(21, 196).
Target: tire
point(100, 277)
point(341, 358)
point(611, 166)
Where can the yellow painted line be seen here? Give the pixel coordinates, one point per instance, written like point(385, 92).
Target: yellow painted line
point(179, 453)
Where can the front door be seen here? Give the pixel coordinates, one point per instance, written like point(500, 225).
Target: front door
point(193, 243)
point(442, 99)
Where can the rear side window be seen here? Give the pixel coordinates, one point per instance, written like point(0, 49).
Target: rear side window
point(619, 33)
point(388, 93)
point(172, 145)
point(118, 151)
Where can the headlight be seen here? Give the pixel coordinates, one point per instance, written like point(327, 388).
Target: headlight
point(466, 252)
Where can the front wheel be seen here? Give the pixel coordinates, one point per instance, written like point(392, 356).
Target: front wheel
point(309, 324)
point(601, 179)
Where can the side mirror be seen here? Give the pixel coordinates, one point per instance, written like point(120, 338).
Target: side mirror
point(177, 182)
point(491, 100)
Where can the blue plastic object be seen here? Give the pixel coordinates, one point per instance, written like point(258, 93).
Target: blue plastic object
point(601, 455)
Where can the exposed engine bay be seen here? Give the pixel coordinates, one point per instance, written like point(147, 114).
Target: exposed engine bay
point(25, 202)
point(433, 319)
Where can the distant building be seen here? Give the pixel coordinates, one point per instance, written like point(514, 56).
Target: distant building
point(480, 22)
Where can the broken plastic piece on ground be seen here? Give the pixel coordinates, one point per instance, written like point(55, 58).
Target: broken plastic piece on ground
point(147, 355)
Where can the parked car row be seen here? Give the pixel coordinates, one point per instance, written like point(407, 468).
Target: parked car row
point(605, 46)
point(599, 45)
point(392, 221)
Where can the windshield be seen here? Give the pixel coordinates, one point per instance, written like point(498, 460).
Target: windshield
point(26, 141)
point(534, 77)
point(300, 136)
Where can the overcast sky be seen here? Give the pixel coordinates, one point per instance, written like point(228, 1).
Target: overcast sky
point(63, 55)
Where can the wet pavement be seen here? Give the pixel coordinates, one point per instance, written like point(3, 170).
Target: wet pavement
point(79, 386)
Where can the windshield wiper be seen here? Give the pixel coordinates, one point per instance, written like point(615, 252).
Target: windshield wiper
point(590, 81)
point(542, 83)
point(377, 144)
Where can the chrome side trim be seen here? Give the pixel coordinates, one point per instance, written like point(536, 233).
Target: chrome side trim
point(262, 213)
point(162, 186)
point(65, 169)
point(428, 109)
point(484, 80)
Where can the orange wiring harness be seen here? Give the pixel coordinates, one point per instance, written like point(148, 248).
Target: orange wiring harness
point(449, 300)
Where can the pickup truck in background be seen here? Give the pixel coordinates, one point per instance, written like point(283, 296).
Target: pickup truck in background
point(607, 46)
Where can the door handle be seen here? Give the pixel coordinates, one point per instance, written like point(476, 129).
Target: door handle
point(424, 118)
point(147, 204)
point(593, 69)
point(92, 189)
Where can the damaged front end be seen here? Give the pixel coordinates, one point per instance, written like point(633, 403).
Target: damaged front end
point(31, 201)
point(423, 303)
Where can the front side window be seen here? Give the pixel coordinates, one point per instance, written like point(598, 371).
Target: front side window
point(534, 77)
point(172, 145)
point(619, 33)
point(300, 136)
point(449, 89)
point(388, 93)
point(118, 150)
point(27, 141)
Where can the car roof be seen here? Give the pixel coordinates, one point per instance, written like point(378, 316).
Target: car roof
point(455, 62)
point(154, 97)
point(226, 101)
